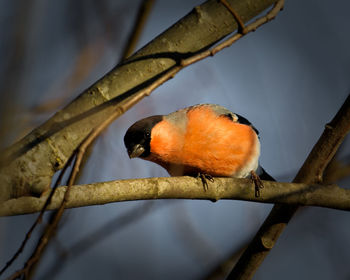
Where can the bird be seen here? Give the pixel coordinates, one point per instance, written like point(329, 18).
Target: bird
point(204, 139)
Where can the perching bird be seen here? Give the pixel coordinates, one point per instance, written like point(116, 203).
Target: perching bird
point(202, 139)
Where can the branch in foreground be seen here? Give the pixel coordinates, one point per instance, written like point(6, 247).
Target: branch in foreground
point(336, 170)
point(122, 107)
point(330, 196)
point(92, 239)
point(142, 15)
point(27, 166)
point(81, 155)
point(311, 172)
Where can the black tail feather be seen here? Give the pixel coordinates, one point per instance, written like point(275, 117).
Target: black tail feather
point(263, 175)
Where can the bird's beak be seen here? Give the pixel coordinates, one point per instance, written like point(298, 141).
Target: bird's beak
point(136, 151)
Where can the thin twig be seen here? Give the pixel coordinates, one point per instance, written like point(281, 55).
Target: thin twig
point(88, 57)
point(75, 169)
point(51, 228)
point(38, 219)
point(134, 36)
point(45, 237)
point(123, 106)
point(142, 15)
point(99, 235)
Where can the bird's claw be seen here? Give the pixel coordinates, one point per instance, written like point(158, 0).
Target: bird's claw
point(204, 178)
point(257, 183)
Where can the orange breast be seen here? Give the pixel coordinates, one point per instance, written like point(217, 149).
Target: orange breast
point(210, 144)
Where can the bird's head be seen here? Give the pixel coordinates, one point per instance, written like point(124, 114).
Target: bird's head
point(138, 137)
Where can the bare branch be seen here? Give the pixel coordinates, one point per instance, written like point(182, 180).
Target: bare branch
point(134, 36)
point(330, 196)
point(80, 154)
point(37, 221)
point(142, 15)
point(335, 171)
point(122, 106)
point(92, 239)
point(27, 167)
point(311, 172)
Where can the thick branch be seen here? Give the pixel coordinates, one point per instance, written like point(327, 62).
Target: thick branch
point(82, 154)
point(27, 166)
point(280, 215)
point(330, 196)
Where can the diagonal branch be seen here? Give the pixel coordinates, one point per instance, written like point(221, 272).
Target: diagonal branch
point(330, 196)
point(142, 15)
point(26, 168)
point(122, 106)
point(38, 220)
point(81, 155)
point(336, 170)
point(310, 173)
point(92, 239)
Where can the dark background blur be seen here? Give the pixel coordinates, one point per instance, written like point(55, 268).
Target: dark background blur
point(289, 79)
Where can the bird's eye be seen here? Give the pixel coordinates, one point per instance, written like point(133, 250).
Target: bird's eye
point(147, 134)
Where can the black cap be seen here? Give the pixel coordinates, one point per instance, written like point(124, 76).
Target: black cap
point(138, 137)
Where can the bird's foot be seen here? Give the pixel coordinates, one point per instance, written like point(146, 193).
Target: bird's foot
point(204, 178)
point(257, 183)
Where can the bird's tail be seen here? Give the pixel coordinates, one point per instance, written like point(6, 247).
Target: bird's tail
point(263, 175)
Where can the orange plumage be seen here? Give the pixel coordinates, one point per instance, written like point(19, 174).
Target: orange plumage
point(207, 139)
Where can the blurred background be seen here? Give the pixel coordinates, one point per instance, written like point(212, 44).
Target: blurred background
point(288, 78)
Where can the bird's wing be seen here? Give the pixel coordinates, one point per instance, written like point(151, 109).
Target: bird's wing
point(222, 111)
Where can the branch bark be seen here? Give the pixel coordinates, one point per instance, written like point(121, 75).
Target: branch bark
point(27, 166)
point(330, 196)
point(82, 154)
point(310, 173)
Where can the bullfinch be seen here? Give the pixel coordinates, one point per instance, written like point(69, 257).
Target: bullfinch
point(201, 139)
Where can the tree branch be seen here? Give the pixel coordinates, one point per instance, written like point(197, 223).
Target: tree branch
point(310, 173)
point(27, 166)
point(92, 239)
point(330, 196)
point(336, 170)
point(119, 107)
point(142, 15)
point(81, 154)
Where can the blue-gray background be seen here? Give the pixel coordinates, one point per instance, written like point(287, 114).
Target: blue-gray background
point(288, 78)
